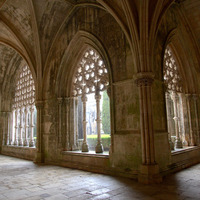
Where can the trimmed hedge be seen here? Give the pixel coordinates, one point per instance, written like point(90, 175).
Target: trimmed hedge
point(92, 141)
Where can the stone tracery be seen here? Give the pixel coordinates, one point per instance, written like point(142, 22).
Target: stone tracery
point(91, 74)
point(23, 109)
point(91, 77)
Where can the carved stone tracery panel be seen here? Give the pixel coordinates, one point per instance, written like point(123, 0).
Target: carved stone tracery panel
point(172, 78)
point(91, 75)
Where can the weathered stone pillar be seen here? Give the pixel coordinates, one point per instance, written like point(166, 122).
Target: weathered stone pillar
point(196, 97)
point(85, 147)
point(76, 121)
point(20, 141)
point(99, 146)
point(189, 100)
point(26, 126)
point(182, 119)
point(60, 101)
point(16, 127)
point(169, 119)
point(178, 142)
point(149, 171)
point(39, 154)
point(32, 125)
point(5, 129)
point(10, 131)
point(73, 124)
point(67, 126)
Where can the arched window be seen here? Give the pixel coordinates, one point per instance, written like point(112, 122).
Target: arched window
point(23, 110)
point(90, 83)
point(176, 105)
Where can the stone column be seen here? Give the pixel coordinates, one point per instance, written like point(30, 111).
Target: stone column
point(195, 97)
point(5, 132)
point(149, 171)
point(178, 142)
point(60, 101)
point(182, 119)
point(99, 146)
point(39, 154)
point(76, 121)
point(32, 125)
point(26, 126)
point(73, 124)
point(20, 141)
point(10, 131)
point(169, 120)
point(85, 147)
point(189, 109)
point(67, 139)
point(16, 127)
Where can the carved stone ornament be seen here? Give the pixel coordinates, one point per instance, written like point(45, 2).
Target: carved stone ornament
point(25, 89)
point(144, 79)
point(91, 74)
point(172, 78)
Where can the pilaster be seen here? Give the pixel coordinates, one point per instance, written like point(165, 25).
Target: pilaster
point(39, 154)
point(60, 102)
point(149, 171)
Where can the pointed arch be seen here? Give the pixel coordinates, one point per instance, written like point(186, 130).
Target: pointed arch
point(81, 41)
point(185, 65)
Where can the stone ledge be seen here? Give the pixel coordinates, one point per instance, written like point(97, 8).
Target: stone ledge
point(87, 154)
point(184, 150)
point(27, 153)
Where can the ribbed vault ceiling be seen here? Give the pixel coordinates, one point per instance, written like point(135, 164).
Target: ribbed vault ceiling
point(29, 25)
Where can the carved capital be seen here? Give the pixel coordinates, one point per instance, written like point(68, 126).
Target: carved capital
point(67, 100)
point(195, 97)
point(39, 104)
point(84, 98)
point(179, 1)
point(189, 96)
point(144, 79)
point(60, 100)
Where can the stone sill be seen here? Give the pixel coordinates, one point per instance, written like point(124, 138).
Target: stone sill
point(184, 150)
point(19, 147)
point(87, 154)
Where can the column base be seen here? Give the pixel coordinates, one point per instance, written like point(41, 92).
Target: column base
point(99, 148)
point(85, 147)
point(20, 143)
point(25, 143)
point(31, 143)
point(74, 148)
point(185, 143)
point(149, 174)
point(15, 143)
point(39, 158)
point(178, 144)
point(171, 145)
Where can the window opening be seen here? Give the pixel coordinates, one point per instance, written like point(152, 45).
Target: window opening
point(90, 84)
point(23, 111)
point(174, 101)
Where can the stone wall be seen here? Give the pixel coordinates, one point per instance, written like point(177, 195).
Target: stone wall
point(19, 152)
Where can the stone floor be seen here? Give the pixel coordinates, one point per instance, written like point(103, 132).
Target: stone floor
point(20, 179)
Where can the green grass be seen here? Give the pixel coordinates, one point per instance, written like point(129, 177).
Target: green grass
point(95, 136)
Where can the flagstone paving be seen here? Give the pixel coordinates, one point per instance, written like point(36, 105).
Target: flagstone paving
point(21, 179)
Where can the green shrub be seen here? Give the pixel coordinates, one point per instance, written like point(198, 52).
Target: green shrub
point(92, 141)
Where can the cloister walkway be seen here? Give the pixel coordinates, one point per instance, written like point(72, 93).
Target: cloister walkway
point(21, 179)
